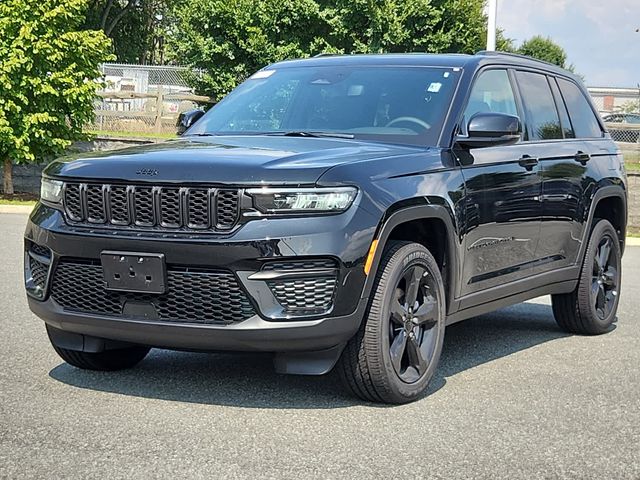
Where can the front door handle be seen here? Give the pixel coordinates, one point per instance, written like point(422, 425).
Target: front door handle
point(582, 157)
point(528, 162)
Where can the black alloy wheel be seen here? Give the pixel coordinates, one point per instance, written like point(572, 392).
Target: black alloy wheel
point(604, 282)
point(413, 313)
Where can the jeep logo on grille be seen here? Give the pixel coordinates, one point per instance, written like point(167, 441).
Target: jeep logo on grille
point(150, 172)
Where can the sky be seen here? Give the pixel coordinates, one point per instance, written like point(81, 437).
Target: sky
point(599, 36)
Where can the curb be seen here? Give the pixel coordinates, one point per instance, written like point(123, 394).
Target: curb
point(21, 209)
point(632, 242)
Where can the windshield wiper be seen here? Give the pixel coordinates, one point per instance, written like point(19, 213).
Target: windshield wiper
point(305, 133)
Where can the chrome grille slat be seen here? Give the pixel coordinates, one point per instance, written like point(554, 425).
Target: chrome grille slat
point(170, 207)
point(73, 202)
point(149, 207)
point(144, 206)
point(95, 203)
point(198, 208)
point(119, 205)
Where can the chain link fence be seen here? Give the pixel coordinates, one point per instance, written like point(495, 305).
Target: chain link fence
point(620, 109)
point(144, 99)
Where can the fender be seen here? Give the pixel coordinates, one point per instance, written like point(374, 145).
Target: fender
point(419, 212)
point(607, 191)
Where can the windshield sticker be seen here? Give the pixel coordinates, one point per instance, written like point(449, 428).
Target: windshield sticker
point(434, 87)
point(262, 74)
point(446, 74)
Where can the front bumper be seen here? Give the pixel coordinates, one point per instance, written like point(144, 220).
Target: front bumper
point(254, 334)
point(344, 238)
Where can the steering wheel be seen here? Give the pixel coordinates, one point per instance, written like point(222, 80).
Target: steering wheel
point(415, 120)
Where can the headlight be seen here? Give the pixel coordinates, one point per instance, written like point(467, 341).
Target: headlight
point(51, 190)
point(303, 200)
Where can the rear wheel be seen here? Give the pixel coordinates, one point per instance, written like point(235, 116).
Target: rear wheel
point(591, 308)
point(108, 360)
point(395, 353)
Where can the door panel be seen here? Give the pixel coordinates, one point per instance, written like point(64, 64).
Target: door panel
point(566, 189)
point(502, 216)
point(569, 170)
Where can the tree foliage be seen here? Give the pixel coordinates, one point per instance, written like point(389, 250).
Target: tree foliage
point(544, 49)
point(135, 27)
point(230, 39)
point(48, 70)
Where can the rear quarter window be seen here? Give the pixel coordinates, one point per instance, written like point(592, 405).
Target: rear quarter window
point(584, 121)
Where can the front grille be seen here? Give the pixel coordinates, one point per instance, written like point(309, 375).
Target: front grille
point(309, 293)
point(193, 296)
point(39, 272)
point(152, 207)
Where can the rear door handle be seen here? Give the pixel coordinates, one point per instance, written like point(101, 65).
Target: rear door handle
point(582, 157)
point(528, 162)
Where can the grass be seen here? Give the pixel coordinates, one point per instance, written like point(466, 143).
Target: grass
point(26, 203)
point(28, 199)
point(632, 166)
point(108, 133)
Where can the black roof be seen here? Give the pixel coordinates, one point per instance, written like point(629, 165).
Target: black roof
point(451, 60)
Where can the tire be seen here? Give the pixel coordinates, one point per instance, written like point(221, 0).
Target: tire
point(367, 366)
point(591, 308)
point(108, 360)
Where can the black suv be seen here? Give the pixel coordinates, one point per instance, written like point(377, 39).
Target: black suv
point(338, 210)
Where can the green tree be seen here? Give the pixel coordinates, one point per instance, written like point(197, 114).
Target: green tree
point(230, 39)
point(544, 49)
point(135, 27)
point(48, 72)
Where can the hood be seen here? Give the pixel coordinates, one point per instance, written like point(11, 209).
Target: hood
point(239, 160)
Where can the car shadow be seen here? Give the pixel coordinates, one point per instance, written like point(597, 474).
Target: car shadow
point(248, 380)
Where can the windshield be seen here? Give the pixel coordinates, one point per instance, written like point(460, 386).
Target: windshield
point(396, 104)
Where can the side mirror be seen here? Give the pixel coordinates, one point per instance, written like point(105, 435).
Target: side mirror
point(187, 119)
point(491, 129)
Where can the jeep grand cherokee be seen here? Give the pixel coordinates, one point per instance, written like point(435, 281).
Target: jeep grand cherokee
point(337, 211)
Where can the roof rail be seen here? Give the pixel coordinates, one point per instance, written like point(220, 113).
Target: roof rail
point(488, 53)
point(328, 55)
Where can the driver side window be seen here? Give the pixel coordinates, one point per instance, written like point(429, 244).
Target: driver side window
point(491, 92)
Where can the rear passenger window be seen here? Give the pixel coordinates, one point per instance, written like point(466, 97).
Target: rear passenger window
point(565, 123)
point(491, 92)
point(540, 109)
point(585, 123)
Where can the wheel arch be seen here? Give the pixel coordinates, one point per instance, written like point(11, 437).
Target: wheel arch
point(397, 225)
point(610, 203)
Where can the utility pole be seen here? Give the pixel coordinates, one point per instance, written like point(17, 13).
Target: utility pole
point(491, 25)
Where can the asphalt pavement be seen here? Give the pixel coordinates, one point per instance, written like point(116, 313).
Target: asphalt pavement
point(514, 398)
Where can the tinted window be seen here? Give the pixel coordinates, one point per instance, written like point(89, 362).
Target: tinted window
point(540, 110)
point(567, 129)
point(400, 105)
point(585, 123)
point(491, 92)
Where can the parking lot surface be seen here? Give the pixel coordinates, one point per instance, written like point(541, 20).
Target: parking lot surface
point(514, 398)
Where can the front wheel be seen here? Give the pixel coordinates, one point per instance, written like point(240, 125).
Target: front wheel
point(591, 308)
point(395, 353)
